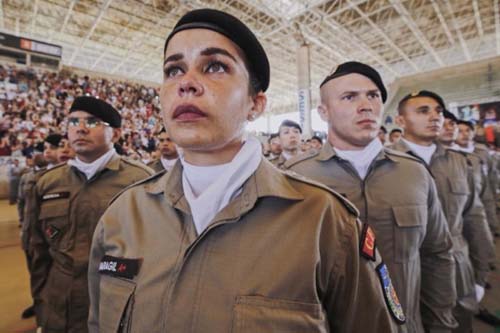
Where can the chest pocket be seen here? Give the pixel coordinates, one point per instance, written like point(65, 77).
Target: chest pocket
point(459, 186)
point(262, 314)
point(411, 222)
point(54, 218)
point(116, 304)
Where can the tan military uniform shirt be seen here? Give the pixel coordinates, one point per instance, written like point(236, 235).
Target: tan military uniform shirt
point(489, 183)
point(465, 216)
point(67, 208)
point(278, 161)
point(156, 165)
point(283, 256)
point(398, 198)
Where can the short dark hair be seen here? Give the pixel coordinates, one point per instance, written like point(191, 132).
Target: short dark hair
point(272, 136)
point(383, 129)
point(466, 123)
point(290, 123)
point(396, 130)
point(317, 138)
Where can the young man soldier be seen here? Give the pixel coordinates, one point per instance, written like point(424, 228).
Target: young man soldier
point(225, 242)
point(68, 201)
point(289, 134)
point(465, 141)
point(395, 193)
point(421, 116)
point(168, 153)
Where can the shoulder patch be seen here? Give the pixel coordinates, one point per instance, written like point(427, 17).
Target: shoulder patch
point(367, 243)
point(301, 157)
point(391, 298)
point(140, 182)
point(349, 205)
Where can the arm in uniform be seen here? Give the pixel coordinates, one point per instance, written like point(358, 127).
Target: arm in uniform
point(476, 232)
point(41, 260)
point(438, 291)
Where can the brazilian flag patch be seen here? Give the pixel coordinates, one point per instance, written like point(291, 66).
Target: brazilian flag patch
point(391, 298)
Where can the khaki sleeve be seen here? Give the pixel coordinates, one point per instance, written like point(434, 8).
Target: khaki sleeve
point(476, 232)
point(353, 295)
point(42, 260)
point(489, 203)
point(94, 278)
point(438, 293)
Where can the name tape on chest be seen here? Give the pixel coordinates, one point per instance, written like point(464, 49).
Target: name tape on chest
point(391, 298)
point(367, 243)
point(119, 267)
point(58, 195)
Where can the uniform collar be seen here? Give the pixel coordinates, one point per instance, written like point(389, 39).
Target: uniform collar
point(327, 152)
point(266, 181)
point(114, 163)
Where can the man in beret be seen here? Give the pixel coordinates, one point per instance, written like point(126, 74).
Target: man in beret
point(316, 142)
point(395, 135)
point(420, 114)
point(168, 153)
point(224, 241)
point(50, 146)
point(394, 192)
point(382, 134)
point(289, 134)
point(274, 146)
point(449, 132)
point(68, 201)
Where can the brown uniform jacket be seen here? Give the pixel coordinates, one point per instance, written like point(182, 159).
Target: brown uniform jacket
point(156, 165)
point(489, 176)
point(278, 161)
point(27, 185)
point(66, 210)
point(283, 256)
point(398, 198)
point(466, 218)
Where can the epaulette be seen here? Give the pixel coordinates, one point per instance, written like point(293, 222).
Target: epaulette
point(401, 154)
point(462, 153)
point(136, 164)
point(45, 170)
point(301, 157)
point(347, 204)
point(140, 182)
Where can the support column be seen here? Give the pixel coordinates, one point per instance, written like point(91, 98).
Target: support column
point(304, 80)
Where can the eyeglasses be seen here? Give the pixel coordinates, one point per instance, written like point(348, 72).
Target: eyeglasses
point(89, 122)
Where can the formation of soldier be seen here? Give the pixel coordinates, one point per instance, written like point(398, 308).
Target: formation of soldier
point(346, 235)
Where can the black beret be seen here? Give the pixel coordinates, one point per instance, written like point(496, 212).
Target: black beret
point(272, 136)
point(383, 129)
point(290, 123)
point(423, 93)
point(448, 115)
point(317, 138)
point(396, 130)
point(98, 108)
point(54, 139)
point(235, 30)
point(466, 123)
point(351, 67)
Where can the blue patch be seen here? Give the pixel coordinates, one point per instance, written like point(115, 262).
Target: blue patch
point(391, 298)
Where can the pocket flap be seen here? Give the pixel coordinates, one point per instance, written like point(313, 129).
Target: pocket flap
point(459, 186)
point(410, 215)
point(54, 209)
point(115, 296)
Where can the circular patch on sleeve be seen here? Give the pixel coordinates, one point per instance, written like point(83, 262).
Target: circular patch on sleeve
point(391, 298)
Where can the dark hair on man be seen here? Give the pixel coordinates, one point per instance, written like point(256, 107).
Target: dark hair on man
point(317, 138)
point(396, 130)
point(272, 136)
point(383, 129)
point(466, 123)
point(290, 123)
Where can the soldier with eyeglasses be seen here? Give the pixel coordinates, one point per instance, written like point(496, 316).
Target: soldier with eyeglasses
point(68, 201)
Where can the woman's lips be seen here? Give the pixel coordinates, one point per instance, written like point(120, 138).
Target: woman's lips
point(188, 113)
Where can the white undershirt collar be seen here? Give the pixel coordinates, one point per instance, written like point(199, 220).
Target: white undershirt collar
point(424, 152)
point(361, 159)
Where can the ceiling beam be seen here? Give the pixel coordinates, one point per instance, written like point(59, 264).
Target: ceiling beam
point(496, 8)
point(440, 16)
point(477, 17)
point(66, 19)
point(355, 41)
point(385, 36)
point(410, 23)
point(102, 11)
point(33, 17)
point(461, 39)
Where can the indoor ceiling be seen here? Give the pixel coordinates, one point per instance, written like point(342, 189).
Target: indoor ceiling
point(400, 38)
